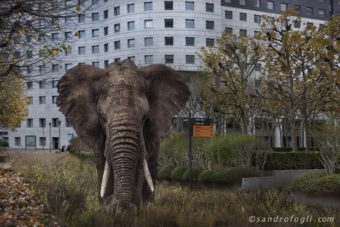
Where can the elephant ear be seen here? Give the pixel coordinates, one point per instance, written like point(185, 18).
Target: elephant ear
point(77, 101)
point(167, 95)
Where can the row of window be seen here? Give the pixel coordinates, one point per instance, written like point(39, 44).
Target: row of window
point(42, 141)
point(42, 84)
point(270, 5)
point(55, 123)
point(42, 100)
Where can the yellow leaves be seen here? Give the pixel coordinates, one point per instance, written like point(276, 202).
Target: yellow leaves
point(78, 7)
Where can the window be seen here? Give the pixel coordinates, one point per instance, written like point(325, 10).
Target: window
point(116, 27)
point(189, 23)
point(106, 14)
point(54, 99)
point(116, 11)
point(148, 41)
point(132, 58)
point(55, 122)
point(29, 100)
point(67, 123)
point(297, 8)
point(190, 59)
point(257, 3)
point(55, 68)
point(148, 59)
point(106, 31)
point(283, 6)
point(68, 19)
point(257, 19)
point(131, 25)
point(42, 68)
point(117, 45)
point(168, 23)
point(322, 12)
point(68, 66)
point(243, 17)
point(209, 7)
point(258, 67)
point(147, 6)
point(270, 5)
point(42, 141)
point(169, 41)
point(17, 141)
point(190, 41)
point(55, 83)
point(81, 50)
point(95, 63)
point(309, 11)
point(42, 99)
point(42, 84)
point(297, 23)
point(81, 18)
point(55, 36)
point(95, 49)
point(95, 33)
point(228, 30)
point(117, 59)
point(42, 122)
point(189, 6)
point(243, 32)
point(209, 25)
point(29, 84)
point(131, 8)
point(81, 34)
point(131, 43)
point(168, 5)
point(68, 35)
point(228, 14)
point(94, 2)
point(29, 123)
point(242, 2)
point(169, 59)
point(29, 54)
point(148, 23)
point(106, 63)
point(209, 42)
point(95, 16)
point(29, 69)
point(106, 47)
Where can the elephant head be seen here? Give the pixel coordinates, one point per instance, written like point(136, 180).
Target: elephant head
point(121, 113)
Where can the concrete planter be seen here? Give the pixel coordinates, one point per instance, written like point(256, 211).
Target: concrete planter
point(324, 200)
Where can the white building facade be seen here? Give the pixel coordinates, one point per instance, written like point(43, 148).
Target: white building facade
point(147, 32)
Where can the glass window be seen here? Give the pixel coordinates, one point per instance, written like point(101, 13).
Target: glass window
point(243, 17)
point(130, 25)
point(117, 60)
point(81, 18)
point(54, 99)
point(42, 141)
point(190, 59)
point(228, 14)
point(258, 67)
point(169, 58)
point(116, 11)
point(190, 41)
point(95, 16)
point(297, 23)
point(106, 14)
point(117, 45)
point(116, 27)
point(95, 49)
point(297, 8)
point(243, 32)
point(106, 63)
point(106, 47)
point(228, 30)
point(29, 54)
point(189, 23)
point(95, 63)
point(168, 23)
point(283, 6)
point(242, 2)
point(322, 12)
point(55, 36)
point(94, 2)
point(55, 122)
point(209, 25)
point(257, 19)
point(131, 8)
point(55, 83)
point(68, 66)
point(148, 59)
point(168, 5)
point(29, 84)
point(189, 6)
point(30, 100)
point(169, 41)
point(106, 31)
point(148, 23)
point(81, 34)
point(29, 123)
point(257, 3)
point(42, 84)
point(42, 122)
point(131, 43)
point(132, 58)
point(42, 99)
point(148, 41)
point(81, 50)
point(209, 42)
point(68, 35)
point(209, 7)
point(55, 68)
point(29, 69)
point(147, 6)
point(270, 5)
point(309, 11)
point(95, 33)
point(17, 141)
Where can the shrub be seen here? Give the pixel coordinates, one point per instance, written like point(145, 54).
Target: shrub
point(177, 173)
point(207, 176)
point(317, 182)
point(3, 143)
point(234, 175)
point(165, 173)
point(195, 174)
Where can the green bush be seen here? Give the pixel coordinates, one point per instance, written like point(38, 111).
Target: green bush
point(226, 176)
point(293, 160)
point(3, 143)
point(195, 174)
point(207, 176)
point(317, 182)
point(177, 173)
point(165, 173)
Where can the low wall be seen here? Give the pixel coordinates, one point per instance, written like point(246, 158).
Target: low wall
point(280, 179)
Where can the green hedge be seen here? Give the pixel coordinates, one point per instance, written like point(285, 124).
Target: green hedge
point(164, 172)
point(195, 173)
point(290, 160)
point(226, 176)
point(317, 182)
point(177, 173)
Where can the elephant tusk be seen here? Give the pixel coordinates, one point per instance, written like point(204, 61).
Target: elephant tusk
point(148, 175)
point(105, 179)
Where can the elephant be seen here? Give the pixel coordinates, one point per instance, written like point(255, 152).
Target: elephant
point(121, 113)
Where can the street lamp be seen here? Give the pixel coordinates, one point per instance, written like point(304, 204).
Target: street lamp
point(50, 124)
point(59, 123)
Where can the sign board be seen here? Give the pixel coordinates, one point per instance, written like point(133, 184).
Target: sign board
point(206, 131)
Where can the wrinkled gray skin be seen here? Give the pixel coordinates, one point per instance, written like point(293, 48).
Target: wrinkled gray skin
point(115, 111)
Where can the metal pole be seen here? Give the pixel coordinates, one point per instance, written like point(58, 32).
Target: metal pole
point(59, 123)
point(43, 136)
point(190, 151)
point(49, 124)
